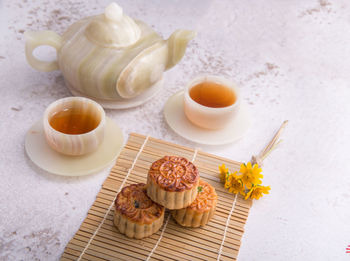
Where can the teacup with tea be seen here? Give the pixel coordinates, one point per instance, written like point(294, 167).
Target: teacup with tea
point(74, 125)
point(211, 102)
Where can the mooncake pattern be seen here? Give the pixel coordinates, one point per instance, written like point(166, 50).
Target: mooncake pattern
point(136, 215)
point(201, 210)
point(172, 182)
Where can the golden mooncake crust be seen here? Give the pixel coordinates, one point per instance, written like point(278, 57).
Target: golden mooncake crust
point(135, 214)
point(201, 210)
point(172, 182)
point(134, 204)
point(206, 197)
point(174, 174)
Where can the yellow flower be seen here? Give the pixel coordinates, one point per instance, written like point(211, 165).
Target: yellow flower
point(234, 184)
point(246, 181)
point(251, 175)
point(223, 172)
point(257, 192)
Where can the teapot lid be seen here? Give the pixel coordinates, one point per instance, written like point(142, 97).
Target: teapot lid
point(113, 28)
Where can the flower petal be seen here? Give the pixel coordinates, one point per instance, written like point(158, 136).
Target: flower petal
point(249, 166)
point(243, 168)
point(249, 193)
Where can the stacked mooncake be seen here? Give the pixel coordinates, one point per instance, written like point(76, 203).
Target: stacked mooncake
point(136, 215)
point(173, 183)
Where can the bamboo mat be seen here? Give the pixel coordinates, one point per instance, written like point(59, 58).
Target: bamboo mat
point(98, 239)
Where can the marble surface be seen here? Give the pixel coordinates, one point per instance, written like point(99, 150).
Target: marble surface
point(291, 60)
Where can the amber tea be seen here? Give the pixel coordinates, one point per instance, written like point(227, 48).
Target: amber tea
point(74, 121)
point(212, 95)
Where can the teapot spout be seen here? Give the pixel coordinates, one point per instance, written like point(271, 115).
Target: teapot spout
point(177, 44)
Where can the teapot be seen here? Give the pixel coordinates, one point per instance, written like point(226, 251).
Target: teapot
point(110, 58)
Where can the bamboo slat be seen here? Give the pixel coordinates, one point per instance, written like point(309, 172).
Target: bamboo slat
point(98, 239)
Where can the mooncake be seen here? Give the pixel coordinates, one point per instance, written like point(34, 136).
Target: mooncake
point(172, 182)
point(136, 215)
point(201, 210)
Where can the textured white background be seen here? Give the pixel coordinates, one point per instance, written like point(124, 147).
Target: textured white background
point(291, 60)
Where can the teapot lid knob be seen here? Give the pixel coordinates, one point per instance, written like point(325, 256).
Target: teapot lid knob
point(113, 29)
point(114, 12)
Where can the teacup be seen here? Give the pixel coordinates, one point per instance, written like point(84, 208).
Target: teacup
point(74, 125)
point(211, 102)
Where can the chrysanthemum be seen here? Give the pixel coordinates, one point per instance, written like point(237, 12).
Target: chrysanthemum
point(234, 184)
point(223, 172)
point(251, 175)
point(257, 192)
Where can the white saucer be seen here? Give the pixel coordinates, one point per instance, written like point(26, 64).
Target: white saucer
point(47, 159)
point(124, 103)
point(178, 122)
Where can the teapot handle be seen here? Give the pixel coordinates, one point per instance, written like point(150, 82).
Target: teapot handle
point(35, 39)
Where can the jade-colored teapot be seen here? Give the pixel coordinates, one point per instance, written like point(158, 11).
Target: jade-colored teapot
point(111, 58)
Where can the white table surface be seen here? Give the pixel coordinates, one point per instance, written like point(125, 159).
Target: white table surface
point(291, 60)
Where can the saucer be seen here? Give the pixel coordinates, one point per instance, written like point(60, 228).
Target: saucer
point(48, 159)
point(175, 117)
point(124, 103)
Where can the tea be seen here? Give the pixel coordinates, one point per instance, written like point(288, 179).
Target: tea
point(213, 95)
point(74, 121)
